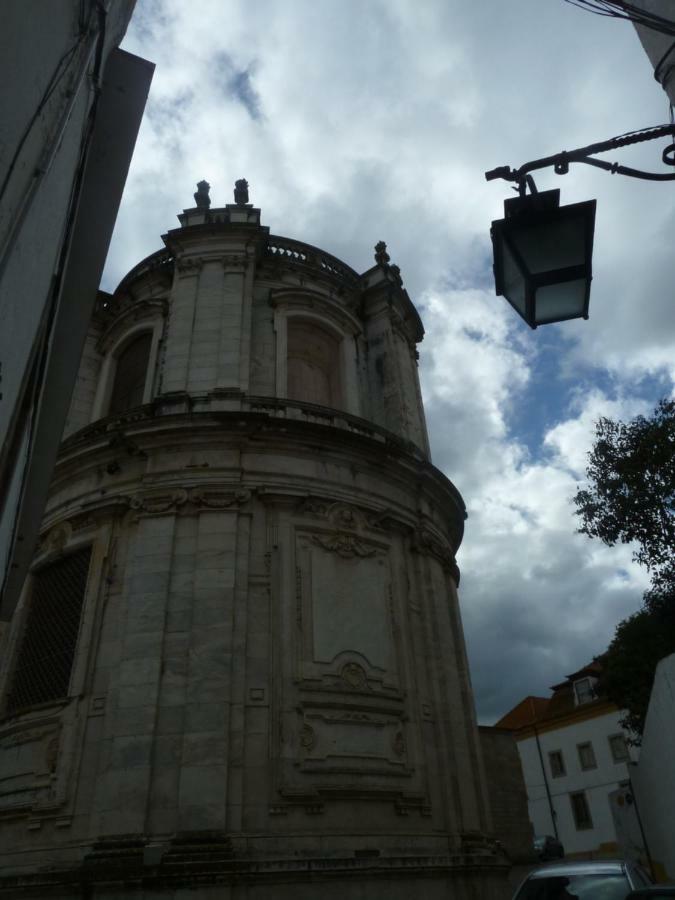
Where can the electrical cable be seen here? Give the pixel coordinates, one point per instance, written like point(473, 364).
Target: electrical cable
point(621, 9)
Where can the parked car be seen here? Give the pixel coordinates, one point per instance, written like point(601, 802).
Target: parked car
point(654, 892)
point(597, 879)
point(548, 847)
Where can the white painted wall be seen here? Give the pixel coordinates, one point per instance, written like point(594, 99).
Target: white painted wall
point(654, 776)
point(597, 783)
point(657, 45)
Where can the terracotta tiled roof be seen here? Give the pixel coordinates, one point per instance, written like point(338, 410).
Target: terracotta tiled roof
point(527, 712)
point(533, 710)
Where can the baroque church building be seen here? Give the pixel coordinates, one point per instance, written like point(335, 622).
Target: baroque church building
point(237, 669)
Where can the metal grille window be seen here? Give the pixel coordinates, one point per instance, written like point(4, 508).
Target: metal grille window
point(130, 374)
point(47, 650)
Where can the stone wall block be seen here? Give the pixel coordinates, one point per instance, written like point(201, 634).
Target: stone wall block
point(179, 332)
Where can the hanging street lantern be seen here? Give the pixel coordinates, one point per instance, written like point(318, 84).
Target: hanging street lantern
point(543, 257)
point(543, 251)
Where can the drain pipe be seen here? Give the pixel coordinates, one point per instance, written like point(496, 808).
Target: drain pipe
point(548, 790)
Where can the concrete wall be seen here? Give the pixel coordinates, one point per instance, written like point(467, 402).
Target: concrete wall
point(508, 796)
point(654, 776)
point(69, 127)
point(597, 783)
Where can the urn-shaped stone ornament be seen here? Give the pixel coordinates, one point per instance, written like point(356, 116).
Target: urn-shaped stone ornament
point(201, 195)
point(241, 192)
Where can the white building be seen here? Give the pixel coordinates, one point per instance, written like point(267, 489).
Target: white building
point(653, 778)
point(574, 754)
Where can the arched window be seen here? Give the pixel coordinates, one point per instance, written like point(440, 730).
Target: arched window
point(313, 364)
point(130, 374)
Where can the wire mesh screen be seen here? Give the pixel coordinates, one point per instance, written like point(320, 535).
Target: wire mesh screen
point(47, 650)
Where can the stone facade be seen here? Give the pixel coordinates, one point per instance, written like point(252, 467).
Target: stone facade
point(269, 693)
point(508, 794)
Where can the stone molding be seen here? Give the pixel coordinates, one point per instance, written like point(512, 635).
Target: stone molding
point(186, 499)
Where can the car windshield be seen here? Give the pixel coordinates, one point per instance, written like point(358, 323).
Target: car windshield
point(575, 887)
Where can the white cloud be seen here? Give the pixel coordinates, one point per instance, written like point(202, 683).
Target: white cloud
point(355, 122)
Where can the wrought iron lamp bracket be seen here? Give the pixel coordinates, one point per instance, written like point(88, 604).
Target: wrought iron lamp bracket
point(561, 161)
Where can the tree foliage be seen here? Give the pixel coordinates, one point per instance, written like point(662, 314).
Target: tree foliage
point(640, 641)
point(631, 496)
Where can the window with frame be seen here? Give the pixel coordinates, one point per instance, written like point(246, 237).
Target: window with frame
point(313, 374)
point(130, 374)
point(618, 748)
point(557, 763)
point(586, 756)
point(584, 691)
point(580, 811)
point(46, 652)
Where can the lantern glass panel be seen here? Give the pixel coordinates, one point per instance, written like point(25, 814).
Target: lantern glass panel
point(551, 245)
point(514, 283)
point(556, 302)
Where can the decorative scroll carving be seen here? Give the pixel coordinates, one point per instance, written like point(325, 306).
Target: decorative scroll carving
point(424, 541)
point(345, 545)
point(189, 265)
point(218, 499)
point(307, 737)
point(233, 262)
point(398, 744)
point(202, 498)
point(346, 515)
point(354, 676)
point(56, 539)
point(159, 503)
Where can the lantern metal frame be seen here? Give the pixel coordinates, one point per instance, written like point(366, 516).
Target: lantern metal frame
point(542, 209)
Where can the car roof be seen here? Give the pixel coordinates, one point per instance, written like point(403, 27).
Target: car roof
point(581, 867)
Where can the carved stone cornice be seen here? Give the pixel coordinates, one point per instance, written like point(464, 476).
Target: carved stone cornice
point(189, 265)
point(344, 544)
point(347, 516)
point(186, 499)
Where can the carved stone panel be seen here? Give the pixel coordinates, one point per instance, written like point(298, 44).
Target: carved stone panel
point(344, 598)
point(28, 758)
point(351, 741)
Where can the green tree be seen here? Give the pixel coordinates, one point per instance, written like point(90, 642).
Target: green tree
point(640, 641)
point(631, 493)
point(631, 497)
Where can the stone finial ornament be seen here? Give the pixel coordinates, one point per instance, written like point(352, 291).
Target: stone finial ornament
point(202, 199)
point(241, 192)
point(381, 255)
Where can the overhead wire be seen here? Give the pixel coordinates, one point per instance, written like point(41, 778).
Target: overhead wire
point(622, 9)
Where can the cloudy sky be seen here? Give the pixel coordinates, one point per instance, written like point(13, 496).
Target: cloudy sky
point(364, 120)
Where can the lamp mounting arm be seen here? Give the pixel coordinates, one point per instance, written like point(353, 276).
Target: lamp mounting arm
point(561, 161)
